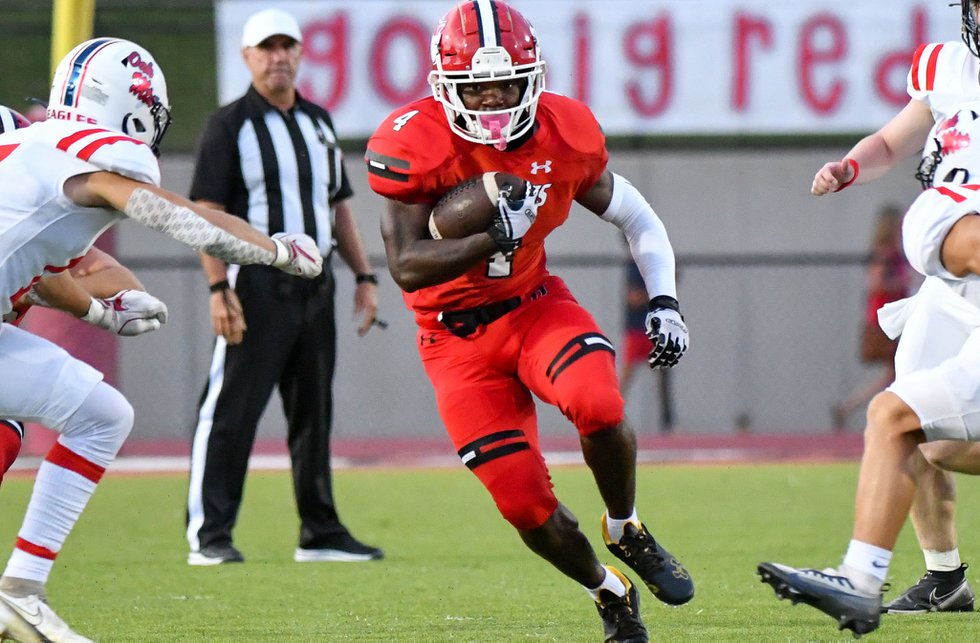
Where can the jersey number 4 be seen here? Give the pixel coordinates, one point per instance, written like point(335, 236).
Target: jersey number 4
point(402, 120)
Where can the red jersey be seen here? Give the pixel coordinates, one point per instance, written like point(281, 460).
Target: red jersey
point(414, 157)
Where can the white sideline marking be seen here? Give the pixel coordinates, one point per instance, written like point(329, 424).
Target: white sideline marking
point(179, 464)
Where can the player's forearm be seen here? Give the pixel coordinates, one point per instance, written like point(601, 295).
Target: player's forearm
point(62, 292)
point(875, 158)
point(646, 235)
point(218, 234)
point(427, 262)
point(109, 281)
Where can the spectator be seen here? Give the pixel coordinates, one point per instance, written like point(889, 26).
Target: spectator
point(889, 278)
point(635, 347)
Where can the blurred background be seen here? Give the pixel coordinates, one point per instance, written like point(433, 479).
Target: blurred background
point(719, 111)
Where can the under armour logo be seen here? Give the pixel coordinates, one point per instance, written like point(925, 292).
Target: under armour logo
point(546, 166)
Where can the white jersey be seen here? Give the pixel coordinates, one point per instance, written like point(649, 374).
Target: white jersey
point(929, 220)
point(41, 230)
point(944, 76)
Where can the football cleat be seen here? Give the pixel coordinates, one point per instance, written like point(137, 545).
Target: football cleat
point(215, 555)
point(828, 591)
point(342, 549)
point(935, 592)
point(29, 619)
point(663, 574)
point(621, 622)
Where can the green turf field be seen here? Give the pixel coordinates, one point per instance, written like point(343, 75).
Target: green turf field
point(455, 571)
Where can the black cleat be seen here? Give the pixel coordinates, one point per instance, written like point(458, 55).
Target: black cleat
point(935, 592)
point(343, 548)
point(829, 592)
point(215, 555)
point(657, 567)
point(621, 621)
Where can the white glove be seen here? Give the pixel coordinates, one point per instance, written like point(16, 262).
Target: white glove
point(128, 313)
point(297, 254)
point(667, 331)
point(514, 219)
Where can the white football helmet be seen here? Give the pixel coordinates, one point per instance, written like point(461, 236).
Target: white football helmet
point(952, 150)
point(115, 84)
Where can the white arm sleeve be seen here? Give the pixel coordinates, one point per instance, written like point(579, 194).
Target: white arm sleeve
point(646, 235)
point(184, 225)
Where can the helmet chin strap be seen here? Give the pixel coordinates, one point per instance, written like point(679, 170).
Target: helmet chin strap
point(496, 123)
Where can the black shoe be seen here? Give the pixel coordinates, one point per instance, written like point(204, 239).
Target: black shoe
point(935, 592)
point(657, 567)
point(215, 555)
point(345, 549)
point(828, 591)
point(621, 614)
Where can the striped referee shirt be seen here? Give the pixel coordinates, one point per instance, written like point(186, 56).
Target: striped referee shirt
point(280, 171)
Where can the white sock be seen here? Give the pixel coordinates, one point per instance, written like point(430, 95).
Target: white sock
point(58, 499)
point(868, 559)
point(611, 583)
point(942, 561)
point(615, 526)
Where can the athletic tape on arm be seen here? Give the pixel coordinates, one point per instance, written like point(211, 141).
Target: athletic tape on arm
point(184, 225)
point(646, 235)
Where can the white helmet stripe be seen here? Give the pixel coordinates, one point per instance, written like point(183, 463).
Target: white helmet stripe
point(487, 24)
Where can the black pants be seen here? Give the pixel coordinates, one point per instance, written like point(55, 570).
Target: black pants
point(290, 341)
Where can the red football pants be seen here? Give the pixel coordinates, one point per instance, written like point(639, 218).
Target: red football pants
point(549, 346)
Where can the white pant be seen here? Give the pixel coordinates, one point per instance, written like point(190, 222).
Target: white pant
point(937, 365)
point(39, 381)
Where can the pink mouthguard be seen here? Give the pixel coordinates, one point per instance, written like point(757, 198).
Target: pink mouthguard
point(496, 123)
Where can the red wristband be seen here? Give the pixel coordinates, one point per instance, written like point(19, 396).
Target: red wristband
point(857, 170)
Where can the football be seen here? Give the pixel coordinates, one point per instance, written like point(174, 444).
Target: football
point(471, 206)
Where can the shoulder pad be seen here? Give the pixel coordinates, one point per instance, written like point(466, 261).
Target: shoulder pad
point(928, 221)
point(111, 151)
point(407, 150)
point(934, 65)
point(575, 122)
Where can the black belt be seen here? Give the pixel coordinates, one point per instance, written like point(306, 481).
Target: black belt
point(462, 323)
point(465, 322)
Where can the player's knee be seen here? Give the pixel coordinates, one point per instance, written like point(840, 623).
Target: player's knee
point(596, 409)
point(99, 427)
point(520, 486)
point(527, 513)
point(889, 414)
point(952, 455)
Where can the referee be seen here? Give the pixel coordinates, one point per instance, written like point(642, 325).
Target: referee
point(272, 158)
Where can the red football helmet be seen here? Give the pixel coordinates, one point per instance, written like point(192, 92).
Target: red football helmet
point(480, 41)
point(11, 120)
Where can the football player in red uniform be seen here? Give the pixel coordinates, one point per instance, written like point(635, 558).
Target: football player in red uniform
point(494, 326)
